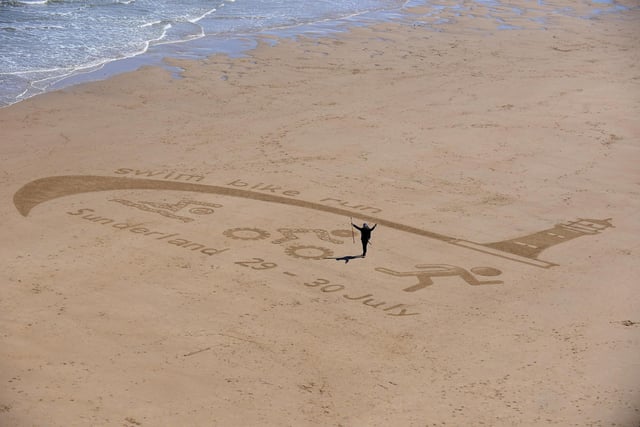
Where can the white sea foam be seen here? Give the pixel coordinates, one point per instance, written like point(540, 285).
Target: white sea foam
point(204, 15)
point(32, 1)
point(150, 24)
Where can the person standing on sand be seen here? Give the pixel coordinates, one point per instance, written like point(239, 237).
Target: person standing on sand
point(365, 236)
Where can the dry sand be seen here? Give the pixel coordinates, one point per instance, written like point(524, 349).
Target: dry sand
point(178, 274)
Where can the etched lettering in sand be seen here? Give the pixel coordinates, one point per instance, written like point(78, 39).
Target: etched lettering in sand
point(524, 249)
point(325, 286)
point(346, 204)
point(269, 188)
point(171, 238)
point(159, 174)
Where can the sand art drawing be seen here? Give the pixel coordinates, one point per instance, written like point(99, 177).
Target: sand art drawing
point(347, 204)
point(308, 252)
point(426, 273)
point(170, 210)
point(173, 239)
point(523, 249)
point(290, 234)
point(326, 286)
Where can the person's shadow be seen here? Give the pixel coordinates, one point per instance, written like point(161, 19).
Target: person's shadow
point(346, 258)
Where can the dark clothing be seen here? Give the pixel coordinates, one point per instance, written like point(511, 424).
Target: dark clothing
point(365, 236)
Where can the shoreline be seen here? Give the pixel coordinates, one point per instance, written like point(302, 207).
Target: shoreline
point(241, 44)
point(231, 45)
point(524, 140)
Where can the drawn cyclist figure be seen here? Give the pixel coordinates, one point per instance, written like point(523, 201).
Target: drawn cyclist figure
point(428, 271)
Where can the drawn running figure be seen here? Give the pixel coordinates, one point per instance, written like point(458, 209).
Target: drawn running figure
point(428, 271)
point(365, 236)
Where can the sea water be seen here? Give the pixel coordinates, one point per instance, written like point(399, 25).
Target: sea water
point(44, 41)
point(47, 43)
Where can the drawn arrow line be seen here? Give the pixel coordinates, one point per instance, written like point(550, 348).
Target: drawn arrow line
point(50, 188)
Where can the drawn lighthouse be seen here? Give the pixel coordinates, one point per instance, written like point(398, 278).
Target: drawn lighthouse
point(527, 248)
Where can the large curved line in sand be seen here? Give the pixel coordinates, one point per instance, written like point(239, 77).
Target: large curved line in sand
point(45, 189)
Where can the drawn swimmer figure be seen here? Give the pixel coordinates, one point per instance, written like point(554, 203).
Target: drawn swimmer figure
point(429, 271)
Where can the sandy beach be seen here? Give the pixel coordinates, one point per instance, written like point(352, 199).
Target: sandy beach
point(178, 251)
